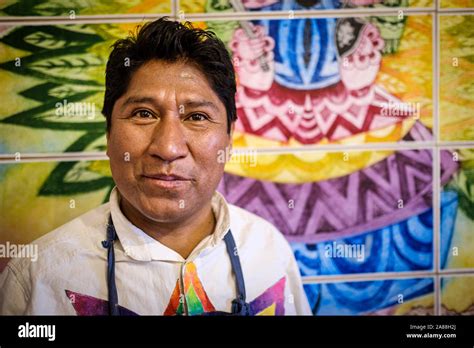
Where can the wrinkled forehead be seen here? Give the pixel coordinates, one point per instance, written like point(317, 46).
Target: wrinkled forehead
point(182, 74)
point(178, 83)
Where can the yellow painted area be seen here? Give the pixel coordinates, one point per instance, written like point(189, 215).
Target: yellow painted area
point(102, 7)
point(407, 74)
point(270, 310)
point(26, 216)
point(11, 88)
point(461, 253)
point(150, 6)
point(421, 3)
point(315, 166)
point(192, 6)
point(458, 293)
point(100, 167)
point(392, 133)
point(310, 167)
point(456, 84)
point(426, 301)
point(456, 3)
point(304, 167)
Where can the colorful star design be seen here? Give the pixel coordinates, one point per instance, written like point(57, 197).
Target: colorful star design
point(270, 302)
point(194, 294)
point(86, 305)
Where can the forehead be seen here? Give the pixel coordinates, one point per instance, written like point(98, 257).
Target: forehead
point(176, 77)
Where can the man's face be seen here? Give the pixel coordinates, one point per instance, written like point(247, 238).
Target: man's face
point(168, 134)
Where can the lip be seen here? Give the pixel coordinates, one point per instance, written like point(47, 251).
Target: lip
point(166, 181)
point(166, 177)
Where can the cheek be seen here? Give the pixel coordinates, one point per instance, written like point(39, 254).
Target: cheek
point(123, 150)
point(125, 140)
point(210, 155)
point(118, 151)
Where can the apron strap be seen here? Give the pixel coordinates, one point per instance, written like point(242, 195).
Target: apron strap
point(239, 305)
point(112, 288)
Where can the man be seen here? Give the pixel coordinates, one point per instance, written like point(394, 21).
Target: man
point(167, 242)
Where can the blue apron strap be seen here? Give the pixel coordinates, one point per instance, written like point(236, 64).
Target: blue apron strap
point(239, 306)
point(112, 288)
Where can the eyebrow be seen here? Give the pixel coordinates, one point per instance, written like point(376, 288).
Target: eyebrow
point(138, 100)
point(200, 103)
point(187, 103)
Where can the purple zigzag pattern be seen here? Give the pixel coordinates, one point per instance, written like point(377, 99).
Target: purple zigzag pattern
point(86, 305)
point(337, 208)
point(274, 295)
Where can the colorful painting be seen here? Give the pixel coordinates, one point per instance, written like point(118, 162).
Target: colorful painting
point(336, 123)
point(292, 6)
point(320, 81)
point(270, 302)
point(194, 295)
point(462, 4)
point(456, 85)
point(37, 197)
point(378, 297)
point(400, 247)
point(457, 295)
point(54, 78)
point(54, 82)
point(457, 228)
point(72, 8)
point(389, 191)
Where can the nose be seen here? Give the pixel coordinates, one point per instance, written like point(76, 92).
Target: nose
point(169, 142)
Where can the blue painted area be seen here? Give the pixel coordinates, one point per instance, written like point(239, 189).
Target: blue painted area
point(358, 298)
point(287, 5)
point(448, 219)
point(305, 49)
point(404, 246)
point(305, 52)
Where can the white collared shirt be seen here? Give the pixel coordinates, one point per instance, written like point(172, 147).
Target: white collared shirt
point(69, 275)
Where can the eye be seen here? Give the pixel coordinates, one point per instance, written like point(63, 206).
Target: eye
point(197, 117)
point(143, 114)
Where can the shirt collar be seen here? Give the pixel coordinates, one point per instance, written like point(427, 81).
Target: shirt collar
point(141, 247)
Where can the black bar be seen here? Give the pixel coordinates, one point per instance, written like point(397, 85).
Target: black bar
point(208, 330)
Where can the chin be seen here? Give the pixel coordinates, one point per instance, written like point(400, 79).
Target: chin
point(163, 210)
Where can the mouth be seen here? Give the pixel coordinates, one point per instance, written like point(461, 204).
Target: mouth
point(166, 177)
point(166, 181)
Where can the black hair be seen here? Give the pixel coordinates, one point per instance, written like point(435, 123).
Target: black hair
point(170, 41)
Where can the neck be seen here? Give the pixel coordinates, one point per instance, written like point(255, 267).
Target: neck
point(182, 236)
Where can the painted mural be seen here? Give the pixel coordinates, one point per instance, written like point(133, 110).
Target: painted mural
point(456, 84)
point(72, 8)
point(206, 6)
point(318, 81)
point(457, 295)
point(380, 297)
point(456, 3)
point(302, 83)
point(457, 229)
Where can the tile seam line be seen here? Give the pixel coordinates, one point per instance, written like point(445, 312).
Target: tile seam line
point(436, 201)
point(385, 276)
point(211, 16)
point(260, 151)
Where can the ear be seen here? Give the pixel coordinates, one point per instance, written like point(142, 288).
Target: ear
point(231, 133)
point(229, 144)
point(107, 137)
